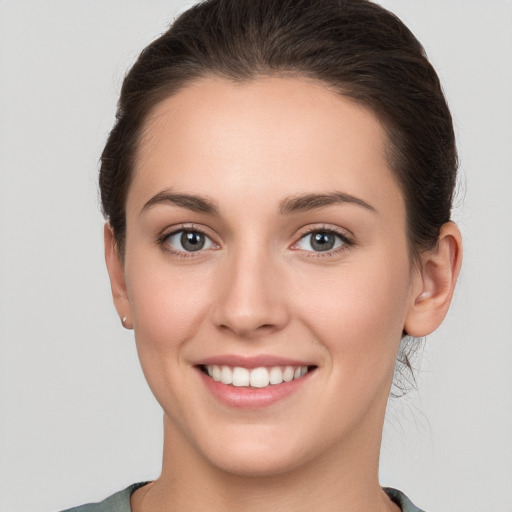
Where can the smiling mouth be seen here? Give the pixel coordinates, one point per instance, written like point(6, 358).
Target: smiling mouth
point(261, 377)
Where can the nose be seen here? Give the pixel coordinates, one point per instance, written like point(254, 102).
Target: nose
point(251, 296)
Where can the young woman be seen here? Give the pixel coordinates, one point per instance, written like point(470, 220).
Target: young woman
point(277, 189)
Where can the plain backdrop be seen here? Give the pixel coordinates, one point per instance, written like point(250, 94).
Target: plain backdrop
point(77, 420)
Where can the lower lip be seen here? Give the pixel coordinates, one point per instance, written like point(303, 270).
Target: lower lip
point(252, 398)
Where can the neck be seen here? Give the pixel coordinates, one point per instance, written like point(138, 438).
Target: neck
point(344, 478)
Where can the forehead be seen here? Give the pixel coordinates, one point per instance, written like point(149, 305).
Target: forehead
point(270, 134)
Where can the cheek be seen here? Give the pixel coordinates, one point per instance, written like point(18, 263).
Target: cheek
point(358, 311)
point(167, 304)
point(168, 307)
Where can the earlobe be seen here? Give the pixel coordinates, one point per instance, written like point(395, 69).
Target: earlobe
point(438, 274)
point(117, 279)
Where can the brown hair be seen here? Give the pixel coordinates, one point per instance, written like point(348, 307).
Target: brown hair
point(355, 47)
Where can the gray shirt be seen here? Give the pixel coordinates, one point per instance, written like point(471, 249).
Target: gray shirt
point(120, 501)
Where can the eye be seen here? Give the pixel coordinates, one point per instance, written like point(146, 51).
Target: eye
point(321, 241)
point(188, 241)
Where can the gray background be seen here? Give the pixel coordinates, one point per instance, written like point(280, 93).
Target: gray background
point(77, 421)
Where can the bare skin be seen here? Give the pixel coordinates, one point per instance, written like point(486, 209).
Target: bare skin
point(300, 252)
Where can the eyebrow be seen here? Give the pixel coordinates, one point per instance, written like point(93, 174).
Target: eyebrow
point(312, 201)
point(188, 201)
point(287, 206)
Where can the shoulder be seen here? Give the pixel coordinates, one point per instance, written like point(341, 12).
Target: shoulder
point(401, 500)
point(118, 502)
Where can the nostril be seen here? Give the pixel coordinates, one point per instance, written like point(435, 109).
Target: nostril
point(265, 328)
point(244, 328)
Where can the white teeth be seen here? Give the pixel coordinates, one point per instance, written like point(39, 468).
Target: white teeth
point(257, 377)
point(226, 375)
point(275, 375)
point(288, 374)
point(241, 376)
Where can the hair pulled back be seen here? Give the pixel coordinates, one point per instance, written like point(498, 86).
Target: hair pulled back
point(355, 47)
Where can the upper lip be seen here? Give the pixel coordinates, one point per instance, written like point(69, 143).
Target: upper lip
point(245, 361)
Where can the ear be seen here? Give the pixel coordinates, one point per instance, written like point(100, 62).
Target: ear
point(437, 277)
point(116, 273)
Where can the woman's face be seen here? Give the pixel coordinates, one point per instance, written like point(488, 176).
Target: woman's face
point(265, 234)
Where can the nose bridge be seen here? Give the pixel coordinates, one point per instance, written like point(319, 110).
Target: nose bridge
point(250, 303)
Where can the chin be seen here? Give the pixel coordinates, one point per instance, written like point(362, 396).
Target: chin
point(258, 453)
point(255, 463)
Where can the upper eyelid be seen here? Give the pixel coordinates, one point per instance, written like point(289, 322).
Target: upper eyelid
point(346, 236)
point(342, 232)
point(173, 230)
point(163, 243)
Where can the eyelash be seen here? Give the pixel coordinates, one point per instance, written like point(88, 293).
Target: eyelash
point(346, 241)
point(162, 241)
